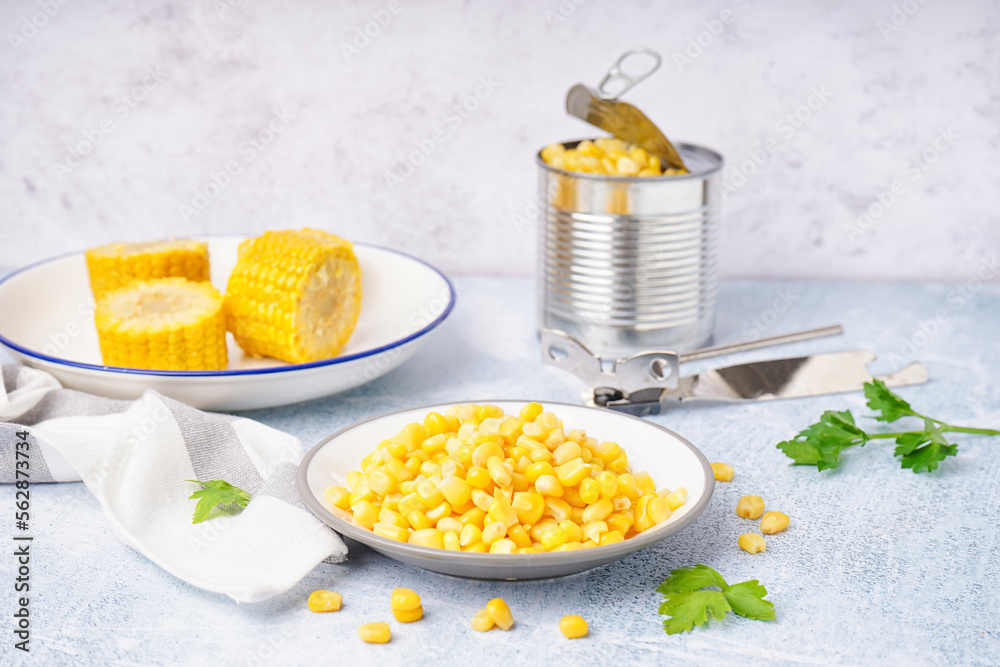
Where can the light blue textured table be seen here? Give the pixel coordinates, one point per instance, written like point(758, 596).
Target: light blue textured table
point(879, 565)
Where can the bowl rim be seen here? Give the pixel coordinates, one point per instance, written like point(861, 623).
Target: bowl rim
point(611, 551)
point(34, 354)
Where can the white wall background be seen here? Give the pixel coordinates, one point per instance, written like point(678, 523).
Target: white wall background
point(223, 68)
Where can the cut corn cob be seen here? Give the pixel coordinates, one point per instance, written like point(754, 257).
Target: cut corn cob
point(116, 265)
point(169, 323)
point(294, 295)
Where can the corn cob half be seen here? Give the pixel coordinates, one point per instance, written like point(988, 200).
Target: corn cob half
point(168, 323)
point(116, 265)
point(294, 295)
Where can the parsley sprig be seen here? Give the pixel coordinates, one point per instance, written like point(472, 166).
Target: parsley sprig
point(216, 492)
point(821, 443)
point(690, 595)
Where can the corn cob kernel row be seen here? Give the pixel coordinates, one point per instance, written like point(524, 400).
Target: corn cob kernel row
point(608, 156)
point(168, 324)
point(478, 480)
point(116, 265)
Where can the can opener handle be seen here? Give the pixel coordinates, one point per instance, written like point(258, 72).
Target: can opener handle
point(618, 73)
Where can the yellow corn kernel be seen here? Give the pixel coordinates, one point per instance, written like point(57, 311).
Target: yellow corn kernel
point(382, 482)
point(435, 443)
point(620, 464)
point(501, 510)
point(408, 615)
point(572, 472)
point(542, 527)
point(365, 513)
point(547, 485)
point(482, 499)
point(435, 514)
point(503, 546)
point(569, 546)
point(577, 515)
point(573, 626)
point(391, 531)
point(593, 530)
point(324, 601)
point(478, 477)
point(540, 455)
point(339, 497)
point(481, 620)
point(608, 483)
point(473, 517)
point(427, 537)
point(404, 599)
point(498, 471)
point(558, 509)
point(435, 424)
point(413, 465)
point(722, 472)
point(418, 520)
point(608, 451)
point(451, 542)
point(773, 522)
point(644, 482)
point(750, 507)
point(529, 507)
point(752, 543)
point(571, 494)
point(535, 431)
point(375, 633)
point(659, 510)
point(590, 491)
point(352, 478)
point(449, 524)
point(455, 490)
point(643, 521)
point(470, 535)
point(566, 452)
point(500, 613)
point(536, 470)
point(618, 522)
point(398, 469)
point(612, 537)
point(485, 451)
point(429, 494)
point(477, 548)
point(577, 435)
point(555, 439)
point(530, 411)
point(493, 532)
point(598, 511)
point(627, 487)
point(386, 515)
point(554, 538)
point(519, 536)
point(676, 498)
point(573, 531)
point(409, 503)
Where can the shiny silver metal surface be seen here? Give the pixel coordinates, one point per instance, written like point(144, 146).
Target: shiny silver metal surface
point(630, 264)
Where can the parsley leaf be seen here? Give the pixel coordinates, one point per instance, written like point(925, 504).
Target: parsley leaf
point(821, 443)
point(688, 602)
point(882, 400)
point(216, 492)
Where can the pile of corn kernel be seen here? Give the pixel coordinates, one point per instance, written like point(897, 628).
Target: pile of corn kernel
point(477, 480)
point(611, 157)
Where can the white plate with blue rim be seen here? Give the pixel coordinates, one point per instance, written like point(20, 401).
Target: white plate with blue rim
point(48, 323)
point(671, 461)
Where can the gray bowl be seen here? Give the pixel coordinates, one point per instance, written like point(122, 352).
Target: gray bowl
point(665, 455)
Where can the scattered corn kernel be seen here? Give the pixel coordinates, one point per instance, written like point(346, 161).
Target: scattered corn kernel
point(573, 626)
point(750, 507)
point(773, 522)
point(752, 543)
point(324, 601)
point(404, 599)
point(482, 621)
point(500, 613)
point(374, 633)
point(723, 472)
point(408, 615)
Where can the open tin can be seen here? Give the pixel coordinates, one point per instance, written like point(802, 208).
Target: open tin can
point(630, 263)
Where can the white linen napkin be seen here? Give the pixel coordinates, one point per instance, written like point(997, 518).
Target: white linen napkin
point(135, 456)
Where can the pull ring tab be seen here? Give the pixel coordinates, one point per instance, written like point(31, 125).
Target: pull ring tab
point(617, 73)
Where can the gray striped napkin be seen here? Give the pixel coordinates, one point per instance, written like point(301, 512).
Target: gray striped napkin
point(135, 456)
